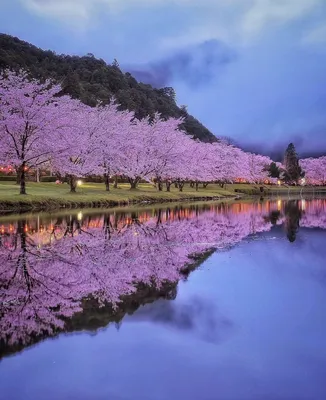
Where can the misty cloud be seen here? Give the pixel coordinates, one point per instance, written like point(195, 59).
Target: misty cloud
point(310, 143)
point(195, 65)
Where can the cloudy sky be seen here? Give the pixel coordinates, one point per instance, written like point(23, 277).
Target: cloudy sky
point(252, 70)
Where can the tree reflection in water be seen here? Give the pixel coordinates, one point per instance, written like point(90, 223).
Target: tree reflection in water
point(293, 214)
point(84, 271)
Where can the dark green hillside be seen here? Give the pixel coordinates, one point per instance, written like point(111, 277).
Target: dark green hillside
point(89, 79)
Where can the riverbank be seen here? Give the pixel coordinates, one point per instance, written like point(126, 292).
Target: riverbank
point(51, 197)
point(271, 190)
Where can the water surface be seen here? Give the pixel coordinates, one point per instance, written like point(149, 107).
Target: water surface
point(219, 301)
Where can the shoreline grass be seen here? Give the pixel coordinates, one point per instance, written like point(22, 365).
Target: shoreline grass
point(49, 196)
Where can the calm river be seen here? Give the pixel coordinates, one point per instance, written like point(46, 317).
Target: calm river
point(187, 302)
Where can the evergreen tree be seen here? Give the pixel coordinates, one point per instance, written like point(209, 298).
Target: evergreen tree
point(115, 63)
point(293, 171)
point(71, 84)
point(184, 111)
point(273, 170)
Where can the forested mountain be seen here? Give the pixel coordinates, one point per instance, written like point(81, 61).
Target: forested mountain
point(91, 79)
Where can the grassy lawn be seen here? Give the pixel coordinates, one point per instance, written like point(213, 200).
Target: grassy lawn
point(50, 195)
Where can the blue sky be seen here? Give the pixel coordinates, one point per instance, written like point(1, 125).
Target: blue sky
point(252, 70)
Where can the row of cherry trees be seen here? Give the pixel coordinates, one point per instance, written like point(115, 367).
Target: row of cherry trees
point(315, 170)
point(39, 126)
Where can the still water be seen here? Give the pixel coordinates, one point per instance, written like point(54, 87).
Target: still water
point(198, 302)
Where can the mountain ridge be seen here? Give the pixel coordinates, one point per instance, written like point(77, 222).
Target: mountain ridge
point(91, 79)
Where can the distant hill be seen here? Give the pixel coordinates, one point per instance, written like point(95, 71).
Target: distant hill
point(91, 79)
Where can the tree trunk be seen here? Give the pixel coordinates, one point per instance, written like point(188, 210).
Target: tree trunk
point(205, 184)
point(168, 185)
point(133, 183)
point(73, 184)
point(115, 185)
point(37, 175)
point(22, 180)
point(181, 184)
point(18, 175)
point(159, 184)
point(176, 185)
point(192, 184)
point(107, 182)
point(159, 217)
point(197, 183)
point(21, 231)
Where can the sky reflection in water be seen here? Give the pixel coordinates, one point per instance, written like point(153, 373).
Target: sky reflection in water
point(248, 323)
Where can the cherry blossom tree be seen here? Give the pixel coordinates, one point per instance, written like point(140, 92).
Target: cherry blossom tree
point(147, 150)
point(169, 147)
point(136, 157)
point(227, 163)
point(33, 120)
point(92, 144)
point(106, 138)
point(257, 164)
point(315, 169)
point(198, 167)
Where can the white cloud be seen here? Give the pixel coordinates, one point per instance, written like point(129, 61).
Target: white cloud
point(243, 21)
point(235, 21)
point(81, 10)
point(315, 36)
point(264, 12)
point(60, 9)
